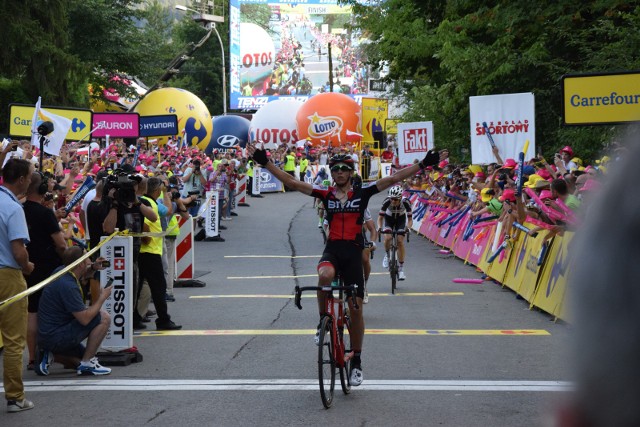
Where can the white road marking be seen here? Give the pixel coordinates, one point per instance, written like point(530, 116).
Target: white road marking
point(93, 384)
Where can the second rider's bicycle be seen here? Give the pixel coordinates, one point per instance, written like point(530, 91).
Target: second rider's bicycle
point(394, 266)
point(334, 348)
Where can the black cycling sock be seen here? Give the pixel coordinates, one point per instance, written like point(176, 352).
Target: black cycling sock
point(355, 361)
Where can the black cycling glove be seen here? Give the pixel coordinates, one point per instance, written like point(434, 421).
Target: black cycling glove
point(432, 158)
point(260, 157)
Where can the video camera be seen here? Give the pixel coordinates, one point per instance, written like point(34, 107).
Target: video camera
point(124, 185)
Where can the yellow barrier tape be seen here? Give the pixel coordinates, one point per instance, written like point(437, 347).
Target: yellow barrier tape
point(45, 282)
point(55, 276)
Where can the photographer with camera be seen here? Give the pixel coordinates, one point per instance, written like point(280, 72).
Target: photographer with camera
point(194, 183)
point(45, 248)
point(121, 208)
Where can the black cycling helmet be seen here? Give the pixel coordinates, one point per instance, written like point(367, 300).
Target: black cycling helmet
point(341, 158)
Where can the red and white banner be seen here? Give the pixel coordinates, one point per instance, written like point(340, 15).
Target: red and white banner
point(185, 256)
point(414, 140)
point(511, 120)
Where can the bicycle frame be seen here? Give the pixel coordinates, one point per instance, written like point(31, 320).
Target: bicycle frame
point(336, 318)
point(335, 309)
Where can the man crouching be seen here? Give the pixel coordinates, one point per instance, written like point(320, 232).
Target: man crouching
point(64, 321)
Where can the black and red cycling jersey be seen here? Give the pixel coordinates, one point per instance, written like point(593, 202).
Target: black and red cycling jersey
point(345, 220)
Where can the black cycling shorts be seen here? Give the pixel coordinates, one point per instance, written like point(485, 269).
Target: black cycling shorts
point(346, 257)
point(397, 224)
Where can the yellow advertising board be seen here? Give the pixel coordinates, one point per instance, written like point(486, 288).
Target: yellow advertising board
point(553, 280)
point(522, 275)
point(20, 116)
point(374, 116)
point(601, 98)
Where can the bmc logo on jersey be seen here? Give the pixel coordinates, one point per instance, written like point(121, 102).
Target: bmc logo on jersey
point(350, 205)
point(415, 141)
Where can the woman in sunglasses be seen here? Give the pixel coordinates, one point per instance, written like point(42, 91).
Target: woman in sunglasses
point(344, 206)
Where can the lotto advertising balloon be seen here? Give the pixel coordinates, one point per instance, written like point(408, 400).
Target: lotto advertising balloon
point(326, 117)
point(228, 131)
point(257, 53)
point(275, 123)
point(193, 116)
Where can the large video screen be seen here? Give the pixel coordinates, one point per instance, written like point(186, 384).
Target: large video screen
point(280, 49)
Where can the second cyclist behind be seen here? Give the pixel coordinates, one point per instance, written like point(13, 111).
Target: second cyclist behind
point(395, 215)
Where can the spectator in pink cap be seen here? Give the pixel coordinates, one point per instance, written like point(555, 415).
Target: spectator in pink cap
point(563, 160)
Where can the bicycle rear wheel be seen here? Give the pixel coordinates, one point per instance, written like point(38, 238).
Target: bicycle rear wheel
point(346, 345)
point(326, 362)
point(393, 271)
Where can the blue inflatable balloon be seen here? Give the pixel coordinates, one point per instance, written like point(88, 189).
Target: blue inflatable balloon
point(228, 132)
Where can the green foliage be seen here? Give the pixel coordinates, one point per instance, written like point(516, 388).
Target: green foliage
point(440, 53)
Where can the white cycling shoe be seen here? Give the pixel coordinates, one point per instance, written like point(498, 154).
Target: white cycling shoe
point(401, 275)
point(385, 262)
point(356, 377)
point(365, 300)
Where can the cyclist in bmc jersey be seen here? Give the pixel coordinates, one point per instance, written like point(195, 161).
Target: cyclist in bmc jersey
point(395, 214)
point(344, 207)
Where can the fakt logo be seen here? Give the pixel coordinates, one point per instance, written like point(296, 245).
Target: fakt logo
point(227, 141)
point(415, 141)
point(324, 126)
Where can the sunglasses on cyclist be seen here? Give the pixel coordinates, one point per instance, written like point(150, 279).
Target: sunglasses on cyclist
point(341, 168)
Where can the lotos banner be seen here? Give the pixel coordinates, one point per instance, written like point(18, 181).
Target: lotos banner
point(510, 120)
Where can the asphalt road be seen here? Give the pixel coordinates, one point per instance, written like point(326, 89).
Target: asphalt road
point(443, 354)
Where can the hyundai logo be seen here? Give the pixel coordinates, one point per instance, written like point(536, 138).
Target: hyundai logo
point(265, 176)
point(228, 141)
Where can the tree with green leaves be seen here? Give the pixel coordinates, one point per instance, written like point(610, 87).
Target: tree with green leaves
point(441, 52)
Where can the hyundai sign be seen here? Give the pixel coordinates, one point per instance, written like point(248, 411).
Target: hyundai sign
point(165, 125)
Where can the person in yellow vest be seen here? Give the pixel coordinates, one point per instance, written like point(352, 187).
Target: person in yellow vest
point(289, 165)
point(304, 164)
point(150, 260)
point(169, 223)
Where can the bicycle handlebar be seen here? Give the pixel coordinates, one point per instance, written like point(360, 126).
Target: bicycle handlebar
point(404, 232)
point(299, 290)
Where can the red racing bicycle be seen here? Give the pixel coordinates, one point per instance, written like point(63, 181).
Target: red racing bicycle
point(334, 347)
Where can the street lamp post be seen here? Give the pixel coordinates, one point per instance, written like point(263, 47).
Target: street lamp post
point(210, 22)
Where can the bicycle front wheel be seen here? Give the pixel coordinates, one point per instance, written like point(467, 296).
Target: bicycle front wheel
point(393, 271)
point(326, 362)
point(346, 346)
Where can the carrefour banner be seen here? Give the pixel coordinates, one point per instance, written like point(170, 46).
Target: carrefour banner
point(509, 119)
point(268, 182)
point(601, 98)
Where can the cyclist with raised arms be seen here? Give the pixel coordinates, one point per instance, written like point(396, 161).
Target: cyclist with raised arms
point(344, 207)
point(395, 215)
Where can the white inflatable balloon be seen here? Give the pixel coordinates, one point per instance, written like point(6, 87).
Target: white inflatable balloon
point(275, 123)
point(257, 53)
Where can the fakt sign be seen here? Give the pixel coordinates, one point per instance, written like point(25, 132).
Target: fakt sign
point(414, 140)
